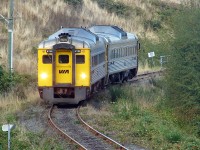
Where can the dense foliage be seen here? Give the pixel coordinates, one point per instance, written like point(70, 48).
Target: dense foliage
point(15, 82)
point(118, 8)
point(183, 84)
point(75, 3)
point(4, 81)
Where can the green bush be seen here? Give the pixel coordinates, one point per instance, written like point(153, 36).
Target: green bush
point(153, 24)
point(118, 8)
point(173, 136)
point(116, 92)
point(15, 82)
point(183, 71)
point(4, 81)
point(75, 3)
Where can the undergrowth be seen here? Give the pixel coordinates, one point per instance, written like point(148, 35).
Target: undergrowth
point(137, 115)
point(116, 7)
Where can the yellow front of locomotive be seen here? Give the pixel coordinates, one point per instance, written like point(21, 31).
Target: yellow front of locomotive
point(63, 73)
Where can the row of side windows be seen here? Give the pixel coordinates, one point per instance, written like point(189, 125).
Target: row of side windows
point(63, 59)
point(123, 52)
point(98, 59)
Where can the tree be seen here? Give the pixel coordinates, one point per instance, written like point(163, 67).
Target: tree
point(183, 72)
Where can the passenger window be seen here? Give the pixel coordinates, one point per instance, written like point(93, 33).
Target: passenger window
point(112, 54)
point(116, 53)
point(101, 57)
point(63, 59)
point(95, 60)
point(126, 52)
point(80, 59)
point(47, 59)
point(92, 61)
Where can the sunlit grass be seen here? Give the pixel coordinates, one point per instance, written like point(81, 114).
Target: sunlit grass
point(146, 68)
point(11, 103)
point(33, 25)
point(22, 112)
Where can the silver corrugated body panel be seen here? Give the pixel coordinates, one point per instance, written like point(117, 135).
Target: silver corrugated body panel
point(116, 38)
point(98, 73)
point(117, 65)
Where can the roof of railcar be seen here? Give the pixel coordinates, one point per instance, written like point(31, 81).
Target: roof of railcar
point(77, 36)
point(82, 37)
point(112, 33)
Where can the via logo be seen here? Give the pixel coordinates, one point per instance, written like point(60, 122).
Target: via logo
point(63, 71)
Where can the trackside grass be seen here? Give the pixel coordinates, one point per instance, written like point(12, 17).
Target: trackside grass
point(29, 116)
point(136, 115)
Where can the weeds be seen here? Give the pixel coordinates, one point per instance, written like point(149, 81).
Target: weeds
point(138, 115)
point(173, 136)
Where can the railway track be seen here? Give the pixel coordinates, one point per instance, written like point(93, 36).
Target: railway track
point(67, 123)
point(147, 75)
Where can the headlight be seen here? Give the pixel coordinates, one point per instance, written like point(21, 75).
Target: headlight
point(83, 76)
point(43, 75)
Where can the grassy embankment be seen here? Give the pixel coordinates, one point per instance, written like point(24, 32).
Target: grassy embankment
point(146, 19)
point(164, 115)
point(138, 115)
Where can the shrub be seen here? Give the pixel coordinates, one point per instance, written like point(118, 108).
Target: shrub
point(118, 8)
point(115, 93)
point(4, 81)
point(153, 24)
point(15, 82)
point(173, 136)
point(75, 3)
point(183, 70)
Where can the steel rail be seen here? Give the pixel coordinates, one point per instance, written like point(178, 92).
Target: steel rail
point(150, 73)
point(81, 147)
point(146, 75)
point(117, 145)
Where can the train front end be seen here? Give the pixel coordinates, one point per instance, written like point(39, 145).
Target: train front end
point(63, 71)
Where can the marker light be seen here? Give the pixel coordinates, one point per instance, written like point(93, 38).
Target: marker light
point(83, 76)
point(43, 75)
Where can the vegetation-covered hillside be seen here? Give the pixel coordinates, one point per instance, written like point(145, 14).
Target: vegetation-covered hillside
point(36, 20)
point(167, 27)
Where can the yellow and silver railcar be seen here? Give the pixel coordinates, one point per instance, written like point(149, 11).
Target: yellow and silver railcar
point(75, 62)
point(64, 65)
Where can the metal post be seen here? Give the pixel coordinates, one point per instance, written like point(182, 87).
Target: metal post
point(8, 128)
point(153, 62)
point(10, 36)
point(161, 61)
point(8, 136)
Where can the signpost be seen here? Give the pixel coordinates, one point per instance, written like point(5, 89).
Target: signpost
point(8, 128)
point(151, 55)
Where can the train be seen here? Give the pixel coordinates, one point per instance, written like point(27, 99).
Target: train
point(74, 63)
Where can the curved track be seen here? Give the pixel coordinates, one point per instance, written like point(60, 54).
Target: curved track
point(102, 136)
point(67, 123)
point(147, 75)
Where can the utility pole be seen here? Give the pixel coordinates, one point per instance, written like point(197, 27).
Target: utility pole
point(9, 22)
point(10, 36)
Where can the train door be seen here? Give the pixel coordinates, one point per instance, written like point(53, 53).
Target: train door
point(63, 67)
